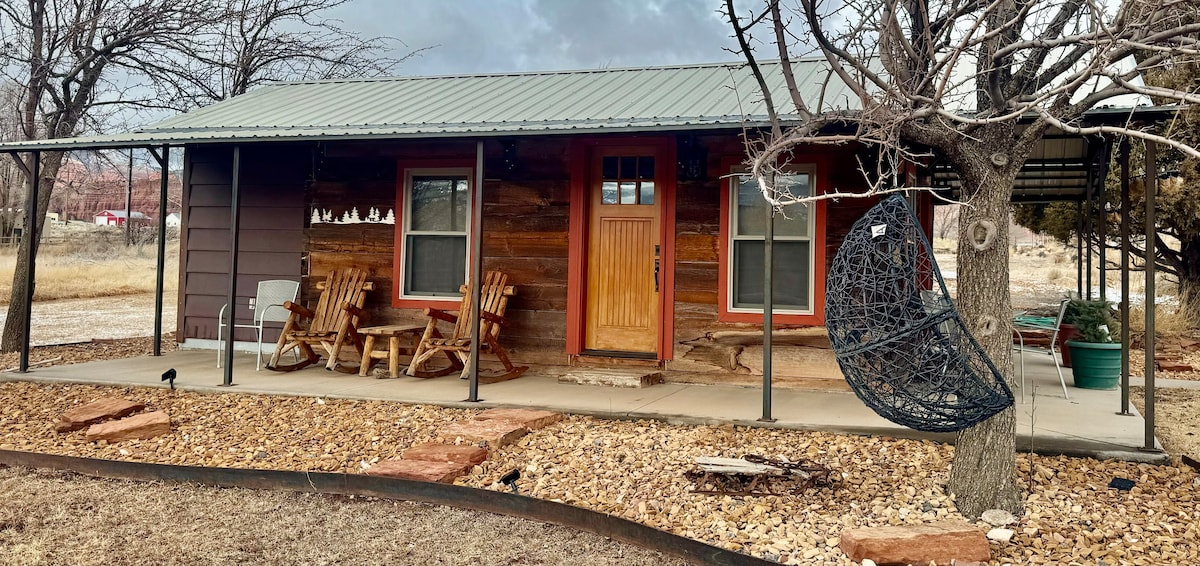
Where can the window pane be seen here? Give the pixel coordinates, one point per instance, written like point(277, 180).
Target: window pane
point(751, 208)
point(628, 167)
point(790, 280)
point(796, 221)
point(439, 204)
point(629, 192)
point(435, 265)
point(645, 168)
point(608, 192)
point(647, 193)
point(608, 168)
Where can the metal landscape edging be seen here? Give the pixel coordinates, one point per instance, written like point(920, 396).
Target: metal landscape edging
point(509, 504)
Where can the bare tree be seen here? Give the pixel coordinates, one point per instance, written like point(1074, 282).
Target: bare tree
point(978, 82)
point(80, 65)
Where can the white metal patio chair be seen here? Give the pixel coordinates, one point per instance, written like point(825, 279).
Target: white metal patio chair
point(1019, 324)
point(267, 306)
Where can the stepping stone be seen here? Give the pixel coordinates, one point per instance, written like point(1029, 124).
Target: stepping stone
point(1172, 365)
point(531, 419)
point(102, 409)
point(419, 470)
point(143, 426)
point(495, 433)
point(612, 377)
point(939, 543)
point(434, 452)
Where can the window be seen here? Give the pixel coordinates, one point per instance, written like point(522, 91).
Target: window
point(627, 180)
point(436, 218)
point(792, 279)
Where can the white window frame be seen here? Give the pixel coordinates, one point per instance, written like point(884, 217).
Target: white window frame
point(409, 173)
point(731, 262)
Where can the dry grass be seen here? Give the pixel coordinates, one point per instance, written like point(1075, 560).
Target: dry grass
point(1177, 418)
point(1167, 320)
point(51, 517)
point(92, 268)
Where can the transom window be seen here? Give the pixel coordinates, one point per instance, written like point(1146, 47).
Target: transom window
point(627, 180)
point(792, 253)
point(436, 219)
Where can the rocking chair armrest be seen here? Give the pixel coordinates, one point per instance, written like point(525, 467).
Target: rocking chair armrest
point(492, 318)
point(298, 309)
point(353, 310)
point(440, 315)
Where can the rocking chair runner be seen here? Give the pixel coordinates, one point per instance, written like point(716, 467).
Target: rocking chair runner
point(493, 300)
point(332, 324)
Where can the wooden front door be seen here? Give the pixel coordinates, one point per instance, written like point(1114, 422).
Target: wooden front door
point(624, 250)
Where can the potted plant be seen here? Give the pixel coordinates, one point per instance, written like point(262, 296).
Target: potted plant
point(1066, 331)
point(1096, 358)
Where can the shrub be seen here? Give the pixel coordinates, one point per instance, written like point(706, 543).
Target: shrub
point(1093, 320)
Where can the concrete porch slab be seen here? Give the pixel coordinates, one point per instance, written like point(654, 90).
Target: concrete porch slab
point(1085, 425)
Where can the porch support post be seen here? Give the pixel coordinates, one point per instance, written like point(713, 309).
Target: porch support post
point(29, 232)
point(768, 311)
point(1148, 301)
point(1101, 227)
point(163, 162)
point(476, 273)
point(1079, 248)
point(235, 213)
point(1126, 209)
point(129, 201)
point(1089, 228)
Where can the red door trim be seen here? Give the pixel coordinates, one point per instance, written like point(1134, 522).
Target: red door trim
point(578, 155)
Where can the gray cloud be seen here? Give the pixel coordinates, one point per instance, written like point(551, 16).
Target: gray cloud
point(491, 36)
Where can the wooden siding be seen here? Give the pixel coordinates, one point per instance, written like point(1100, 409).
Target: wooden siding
point(525, 220)
point(271, 189)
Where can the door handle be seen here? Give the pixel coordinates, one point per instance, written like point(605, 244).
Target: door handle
point(656, 265)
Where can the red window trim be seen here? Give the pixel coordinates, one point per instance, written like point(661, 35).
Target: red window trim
point(820, 163)
point(402, 166)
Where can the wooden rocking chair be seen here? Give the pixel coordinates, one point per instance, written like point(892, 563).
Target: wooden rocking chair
point(494, 298)
point(332, 325)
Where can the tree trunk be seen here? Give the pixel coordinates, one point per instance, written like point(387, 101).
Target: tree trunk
point(982, 475)
point(18, 306)
point(1189, 282)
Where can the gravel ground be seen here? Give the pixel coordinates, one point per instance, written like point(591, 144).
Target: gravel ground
point(637, 470)
point(50, 517)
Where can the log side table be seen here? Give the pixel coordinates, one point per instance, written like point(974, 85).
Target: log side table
point(394, 334)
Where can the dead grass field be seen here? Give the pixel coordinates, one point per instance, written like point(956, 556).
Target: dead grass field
point(1177, 418)
point(56, 518)
point(89, 263)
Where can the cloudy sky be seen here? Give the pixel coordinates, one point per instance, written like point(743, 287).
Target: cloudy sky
point(496, 36)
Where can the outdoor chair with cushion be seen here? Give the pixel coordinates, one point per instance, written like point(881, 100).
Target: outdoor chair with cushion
point(332, 325)
point(266, 306)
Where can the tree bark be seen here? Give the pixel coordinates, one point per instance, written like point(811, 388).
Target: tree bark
point(982, 475)
point(18, 305)
point(1189, 282)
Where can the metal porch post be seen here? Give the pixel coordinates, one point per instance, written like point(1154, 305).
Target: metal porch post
point(476, 273)
point(1148, 301)
point(1088, 211)
point(234, 217)
point(1079, 248)
point(30, 234)
point(1102, 231)
point(1126, 209)
point(768, 310)
point(129, 201)
point(163, 162)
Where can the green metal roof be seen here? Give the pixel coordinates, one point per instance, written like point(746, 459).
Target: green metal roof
point(604, 100)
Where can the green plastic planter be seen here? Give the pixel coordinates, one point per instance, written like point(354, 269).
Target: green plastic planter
point(1095, 365)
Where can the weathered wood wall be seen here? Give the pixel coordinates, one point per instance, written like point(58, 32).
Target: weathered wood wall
point(525, 222)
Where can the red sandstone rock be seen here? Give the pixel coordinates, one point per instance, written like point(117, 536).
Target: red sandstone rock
point(99, 410)
point(531, 419)
point(434, 452)
point(419, 470)
point(145, 425)
point(917, 544)
point(1172, 365)
point(495, 433)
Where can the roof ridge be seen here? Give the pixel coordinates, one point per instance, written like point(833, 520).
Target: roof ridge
point(400, 78)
